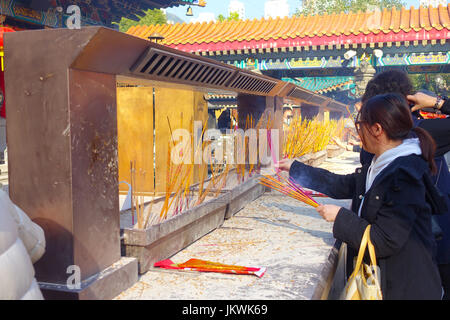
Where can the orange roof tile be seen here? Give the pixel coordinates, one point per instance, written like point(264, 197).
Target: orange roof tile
point(305, 30)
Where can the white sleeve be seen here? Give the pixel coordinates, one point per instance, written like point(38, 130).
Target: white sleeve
point(31, 234)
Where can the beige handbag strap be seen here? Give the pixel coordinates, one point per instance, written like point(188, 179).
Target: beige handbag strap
point(365, 242)
point(373, 258)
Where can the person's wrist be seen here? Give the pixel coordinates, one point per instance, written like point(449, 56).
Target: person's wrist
point(443, 99)
point(439, 102)
point(294, 164)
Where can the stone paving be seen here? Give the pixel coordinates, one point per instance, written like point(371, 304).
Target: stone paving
point(282, 234)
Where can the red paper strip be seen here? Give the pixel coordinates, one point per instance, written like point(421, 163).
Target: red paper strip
point(208, 266)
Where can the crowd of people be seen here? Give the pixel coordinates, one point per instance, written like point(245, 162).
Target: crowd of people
point(401, 190)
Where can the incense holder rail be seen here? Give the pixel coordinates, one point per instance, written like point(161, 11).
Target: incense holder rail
point(241, 193)
point(165, 239)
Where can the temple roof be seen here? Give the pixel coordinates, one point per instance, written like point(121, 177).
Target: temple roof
point(323, 84)
point(336, 29)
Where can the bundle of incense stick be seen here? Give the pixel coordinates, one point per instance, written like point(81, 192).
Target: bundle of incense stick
point(251, 124)
point(178, 176)
point(305, 136)
point(203, 173)
point(137, 201)
point(148, 212)
point(203, 192)
point(288, 187)
point(223, 178)
point(258, 163)
point(269, 142)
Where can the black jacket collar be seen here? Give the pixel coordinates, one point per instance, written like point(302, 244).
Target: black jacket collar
point(415, 167)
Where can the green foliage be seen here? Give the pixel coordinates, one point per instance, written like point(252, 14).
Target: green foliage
point(233, 16)
point(151, 17)
point(314, 7)
point(427, 81)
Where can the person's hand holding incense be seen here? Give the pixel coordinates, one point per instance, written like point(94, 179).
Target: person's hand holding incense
point(328, 212)
point(284, 165)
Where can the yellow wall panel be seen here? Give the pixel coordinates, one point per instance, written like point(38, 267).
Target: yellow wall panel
point(135, 131)
point(176, 106)
point(135, 136)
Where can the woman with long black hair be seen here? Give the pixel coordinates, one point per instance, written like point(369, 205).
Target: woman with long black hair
point(394, 194)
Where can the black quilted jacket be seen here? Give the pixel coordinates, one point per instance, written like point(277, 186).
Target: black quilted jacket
point(398, 206)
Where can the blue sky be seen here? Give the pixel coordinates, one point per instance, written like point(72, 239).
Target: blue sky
point(253, 8)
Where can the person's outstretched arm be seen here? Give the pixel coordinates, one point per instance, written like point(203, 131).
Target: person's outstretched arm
point(333, 185)
point(422, 101)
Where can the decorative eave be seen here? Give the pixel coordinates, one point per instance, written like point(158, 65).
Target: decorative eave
point(337, 31)
point(322, 85)
point(93, 12)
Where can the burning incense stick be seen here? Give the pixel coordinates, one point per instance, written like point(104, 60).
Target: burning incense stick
point(223, 177)
point(132, 191)
point(288, 187)
point(149, 212)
